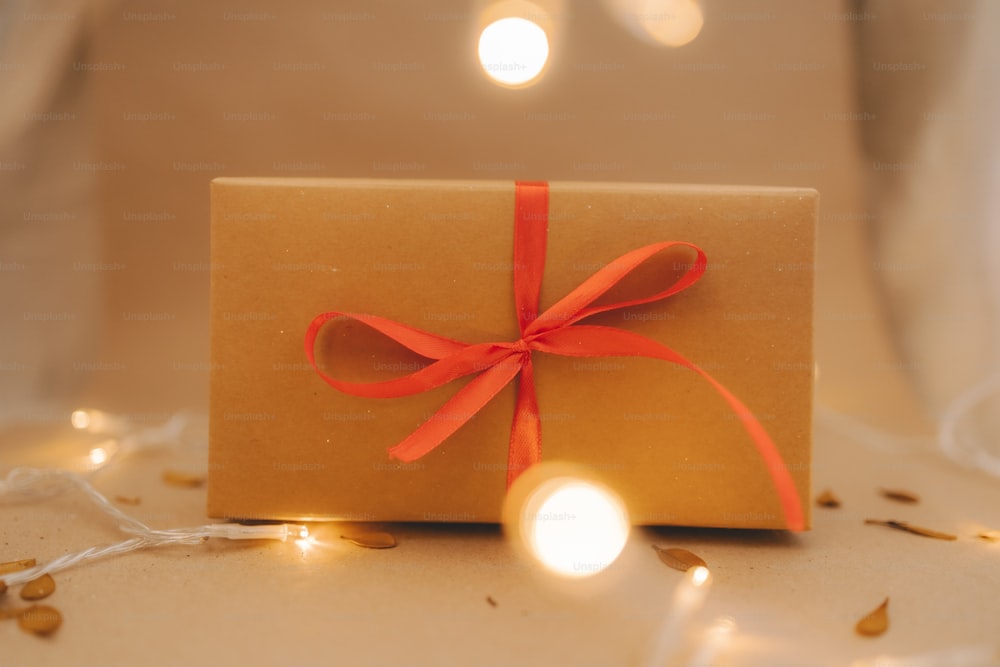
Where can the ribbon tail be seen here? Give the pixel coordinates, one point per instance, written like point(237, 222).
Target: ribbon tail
point(599, 341)
point(788, 494)
point(526, 430)
point(459, 409)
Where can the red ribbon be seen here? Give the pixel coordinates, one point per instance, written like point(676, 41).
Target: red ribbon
point(554, 331)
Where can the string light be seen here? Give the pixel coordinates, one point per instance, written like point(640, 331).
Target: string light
point(45, 482)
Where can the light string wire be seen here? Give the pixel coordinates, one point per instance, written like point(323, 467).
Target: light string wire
point(33, 482)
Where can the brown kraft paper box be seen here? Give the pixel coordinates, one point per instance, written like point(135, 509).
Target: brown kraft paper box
point(437, 255)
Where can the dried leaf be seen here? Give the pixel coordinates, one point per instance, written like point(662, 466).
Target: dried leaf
point(372, 540)
point(899, 495)
point(679, 559)
point(910, 528)
point(491, 601)
point(827, 499)
point(128, 500)
point(876, 622)
point(183, 479)
point(16, 565)
point(40, 619)
point(39, 588)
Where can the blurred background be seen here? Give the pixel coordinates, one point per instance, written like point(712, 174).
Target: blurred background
point(115, 116)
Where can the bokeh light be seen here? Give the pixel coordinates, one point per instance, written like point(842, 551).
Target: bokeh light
point(513, 51)
point(574, 527)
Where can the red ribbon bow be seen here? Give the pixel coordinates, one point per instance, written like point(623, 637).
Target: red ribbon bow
point(554, 331)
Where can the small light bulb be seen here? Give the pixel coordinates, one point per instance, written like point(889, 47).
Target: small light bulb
point(574, 528)
point(513, 51)
point(699, 575)
point(98, 422)
point(98, 455)
point(80, 419)
point(672, 22)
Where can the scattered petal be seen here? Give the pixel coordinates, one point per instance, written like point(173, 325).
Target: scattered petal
point(39, 588)
point(679, 559)
point(827, 499)
point(16, 565)
point(372, 540)
point(990, 535)
point(876, 622)
point(899, 495)
point(910, 528)
point(491, 601)
point(128, 500)
point(183, 479)
point(40, 619)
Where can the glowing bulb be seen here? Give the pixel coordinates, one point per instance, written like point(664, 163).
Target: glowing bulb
point(699, 575)
point(672, 22)
point(99, 422)
point(98, 455)
point(513, 51)
point(306, 542)
point(80, 419)
point(573, 527)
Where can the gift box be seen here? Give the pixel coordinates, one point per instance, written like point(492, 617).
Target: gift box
point(401, 350)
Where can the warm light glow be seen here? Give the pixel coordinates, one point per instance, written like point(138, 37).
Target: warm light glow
point(688, 598)
point(722, 627)
point(513, 51)
point(303, 540)
point(670, 23)
point(573, 527)
point(715, 641)
point(80, 419)
point(98, 455)
point(98, 421)
point(966, 655)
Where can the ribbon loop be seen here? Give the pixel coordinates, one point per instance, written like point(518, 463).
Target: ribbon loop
point(574, 306)
point(554, 331)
